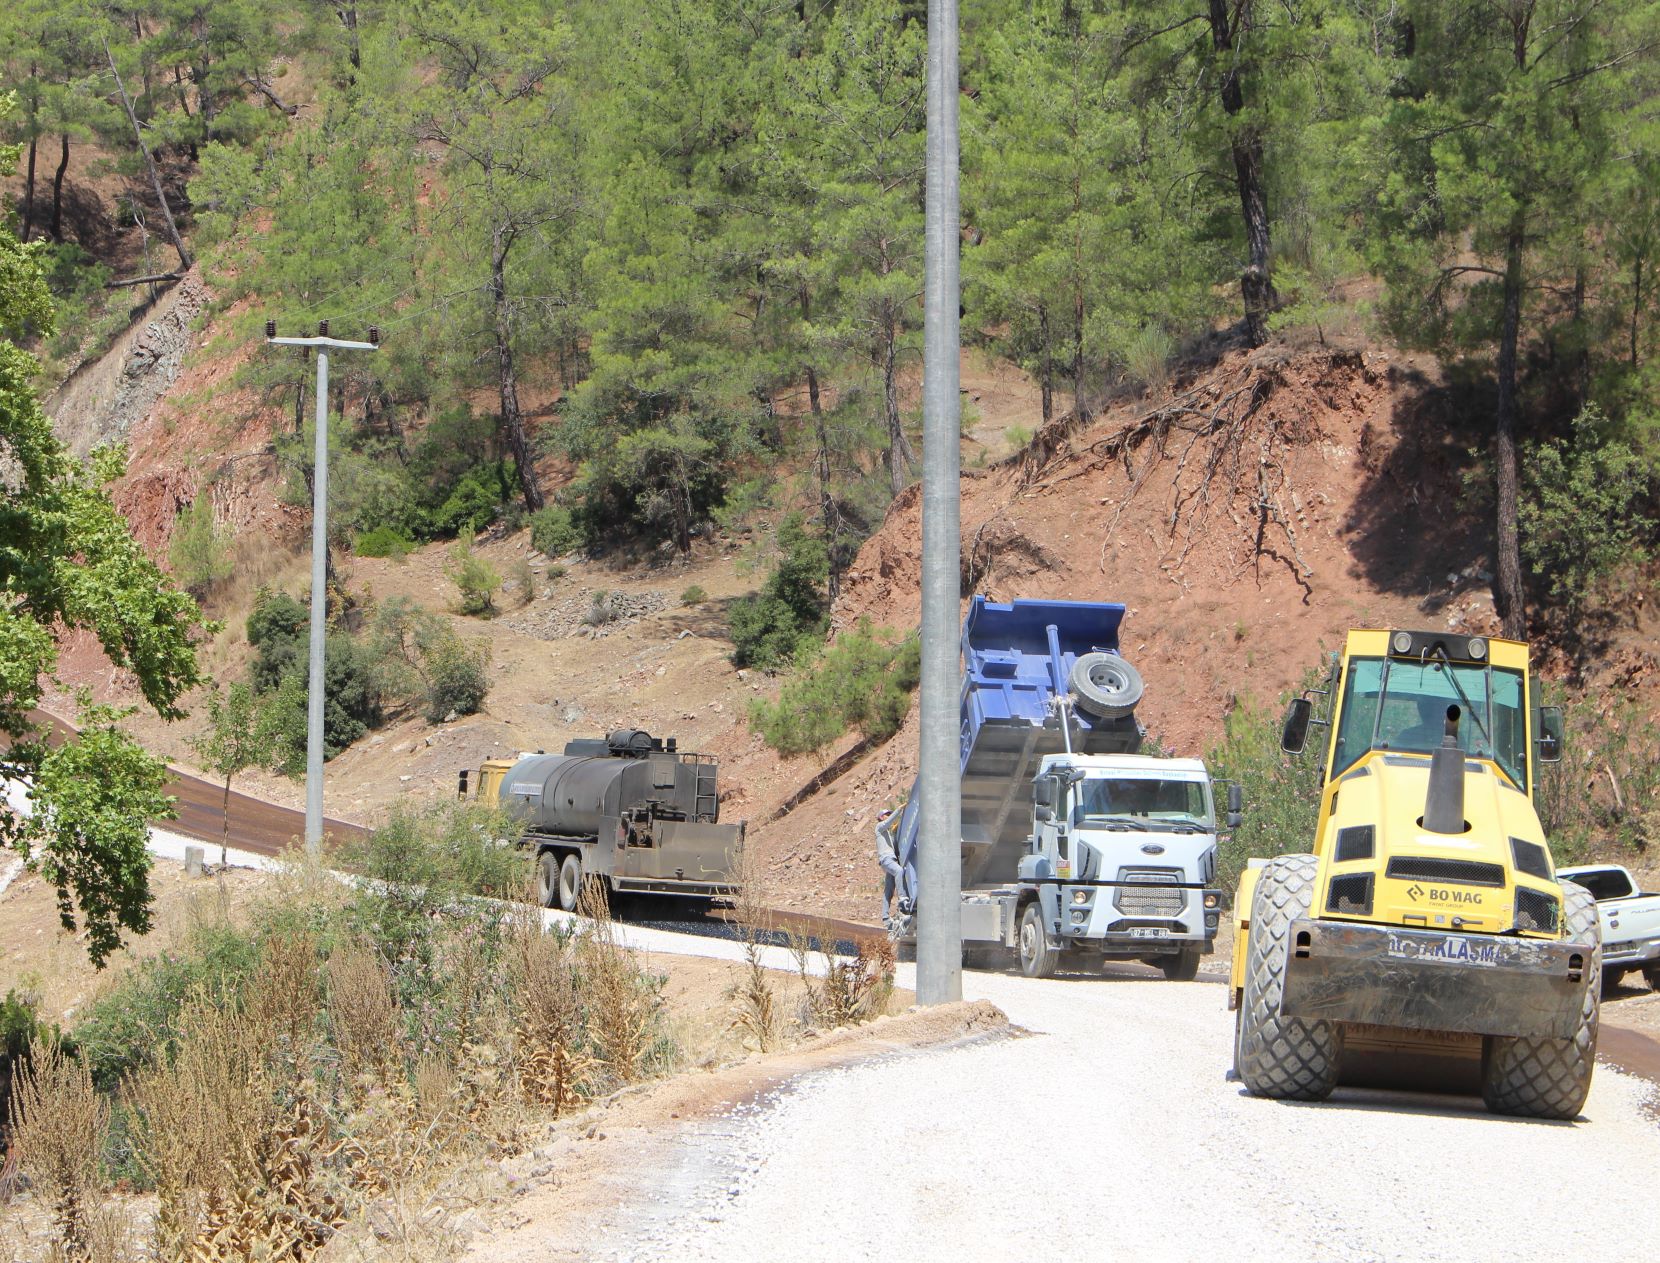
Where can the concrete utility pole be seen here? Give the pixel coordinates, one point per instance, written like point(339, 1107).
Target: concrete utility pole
point(319, 567)
point(939, 946)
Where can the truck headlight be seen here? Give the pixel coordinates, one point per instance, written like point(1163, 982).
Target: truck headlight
point(1080, 915)
point(1080, 896)
point(1212, 899)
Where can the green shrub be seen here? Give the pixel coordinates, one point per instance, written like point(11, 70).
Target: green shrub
point(20, 1027)
point(471, 504)
point(554, 532)
point(1587, 511)
point(384, 541)
point(1282, 792)
point(351, 702)
point(1148, 356)
point(456, 679)
point(420, 660)
point(787, 616)
point(524, 579)
point(864, 681)
point(1602, 801)
point(199, 552)
point(278, 629)
point(136, 1022)
point(477, 579)
point(1018, 436)
point(693, 595)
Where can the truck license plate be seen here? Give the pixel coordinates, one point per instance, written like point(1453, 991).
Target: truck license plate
point(1147, 931)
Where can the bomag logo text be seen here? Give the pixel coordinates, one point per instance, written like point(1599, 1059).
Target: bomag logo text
point(1440, 894)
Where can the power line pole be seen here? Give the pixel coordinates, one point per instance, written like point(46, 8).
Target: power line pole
point(939, 947)
point(319, 567)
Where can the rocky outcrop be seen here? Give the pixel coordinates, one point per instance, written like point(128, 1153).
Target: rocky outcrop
point(103, 400)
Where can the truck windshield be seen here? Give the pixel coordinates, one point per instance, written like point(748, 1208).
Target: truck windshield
point(1405, 708)
point(1136, 803)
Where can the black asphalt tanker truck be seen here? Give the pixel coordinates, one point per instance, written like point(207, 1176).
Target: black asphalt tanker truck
point(628, 810)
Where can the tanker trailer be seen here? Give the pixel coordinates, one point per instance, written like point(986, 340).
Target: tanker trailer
point(629, 810)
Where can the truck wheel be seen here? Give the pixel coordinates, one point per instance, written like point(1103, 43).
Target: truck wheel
point(570, 882)
point(1652, 976)
point(1549, 1078)
point(1037, 958)
point(547, 879)
point(1183, 966)
point(1105, 685)
point(1611, 979)
point(1281, 1057)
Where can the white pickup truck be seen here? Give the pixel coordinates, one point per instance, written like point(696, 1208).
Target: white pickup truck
point(1630, 921)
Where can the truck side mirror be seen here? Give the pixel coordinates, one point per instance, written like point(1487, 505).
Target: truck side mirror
point(1043, 797)
point(1550, 734)
point(1294, 735)
point(1236, 804)
point(1045, 813)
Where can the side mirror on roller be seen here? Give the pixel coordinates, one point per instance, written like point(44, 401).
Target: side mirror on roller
point(1294, 735)
point(1550, 734)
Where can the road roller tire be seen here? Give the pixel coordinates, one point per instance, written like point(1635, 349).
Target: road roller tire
point(1283, 1058)
point(1550, 1078)
point(1104, 685)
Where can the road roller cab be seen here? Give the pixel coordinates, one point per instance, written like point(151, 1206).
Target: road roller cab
point(1426, 939)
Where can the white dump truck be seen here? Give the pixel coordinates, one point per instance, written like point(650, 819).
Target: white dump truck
point(1074, 843)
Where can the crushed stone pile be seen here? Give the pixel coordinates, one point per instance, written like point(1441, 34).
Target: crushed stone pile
point(591, 614)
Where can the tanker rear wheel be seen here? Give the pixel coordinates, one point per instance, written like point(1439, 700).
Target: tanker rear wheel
point(570, 882)
point(547, 879)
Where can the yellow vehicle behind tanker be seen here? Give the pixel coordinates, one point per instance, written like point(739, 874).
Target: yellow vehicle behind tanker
point(1427, 932)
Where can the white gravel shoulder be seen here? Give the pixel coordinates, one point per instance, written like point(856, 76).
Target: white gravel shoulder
point(1112, 1132)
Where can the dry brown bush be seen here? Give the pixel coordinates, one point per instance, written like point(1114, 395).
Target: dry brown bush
point(59, 1123)
point(552, 1068)
point(201, 1119)
point(363, 1013)
point(623, 1008)
point(851, 989)
point(756, 1014)
point(283, 997)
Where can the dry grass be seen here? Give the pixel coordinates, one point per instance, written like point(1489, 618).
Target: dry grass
point(553, 1068)
point(363, 1013)
point(756, 1014)
point(59, 1123)
point(851, 989)
point(622, 1004)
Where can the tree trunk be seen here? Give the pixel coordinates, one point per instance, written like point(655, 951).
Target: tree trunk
point(57, 187)
point(826, 501)
point(1079, 412)
point(1046, 371)
point(149, 162)
point(1256, 283)
point(901, 459)
point(225, 837)
point(1636, 303)
point(1509, 598)
point(348, 19)
point(512, 419)
point(29, 189)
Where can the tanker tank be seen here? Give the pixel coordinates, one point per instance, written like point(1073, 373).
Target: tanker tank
point(627, 808)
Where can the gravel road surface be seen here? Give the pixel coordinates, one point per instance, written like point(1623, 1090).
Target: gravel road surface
point(1111, 1132)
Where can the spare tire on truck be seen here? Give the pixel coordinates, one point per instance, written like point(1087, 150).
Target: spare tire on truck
point(1105, 685)
point(1550, 1078)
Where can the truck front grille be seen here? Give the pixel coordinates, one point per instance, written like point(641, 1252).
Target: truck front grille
point(1157, 900)
point(1435, 868)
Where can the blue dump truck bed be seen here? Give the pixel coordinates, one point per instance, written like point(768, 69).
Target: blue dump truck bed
point(1018, 658)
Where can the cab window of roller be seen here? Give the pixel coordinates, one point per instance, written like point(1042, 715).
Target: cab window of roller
point(1402, 705)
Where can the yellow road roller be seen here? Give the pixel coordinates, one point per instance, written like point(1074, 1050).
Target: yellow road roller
point(1426, 942)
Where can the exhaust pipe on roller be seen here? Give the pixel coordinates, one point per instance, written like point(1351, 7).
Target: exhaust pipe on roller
point(1444, 804)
